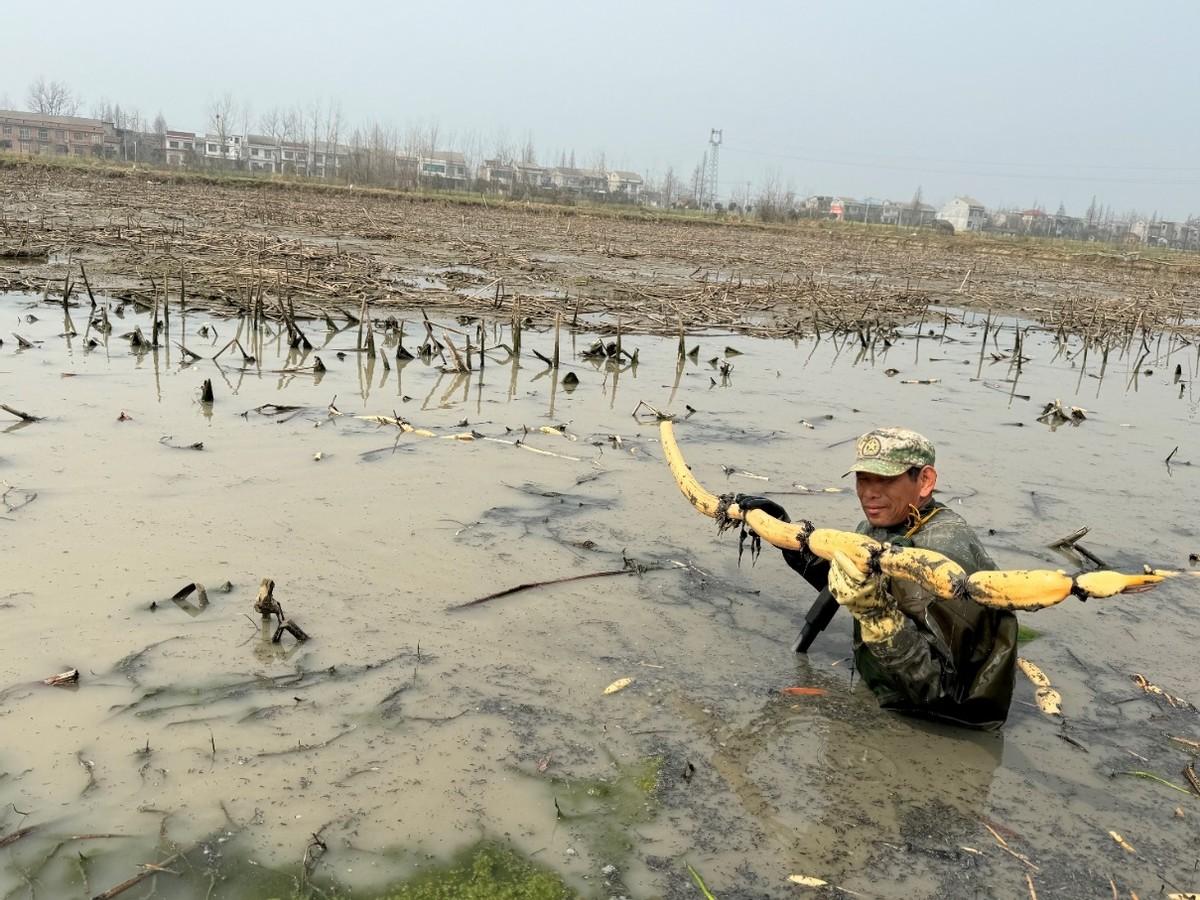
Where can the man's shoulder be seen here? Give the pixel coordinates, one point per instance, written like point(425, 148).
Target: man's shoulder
point(951, 534)
point(946, 520)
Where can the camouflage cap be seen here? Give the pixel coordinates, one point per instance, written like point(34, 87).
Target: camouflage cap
point(891, 451)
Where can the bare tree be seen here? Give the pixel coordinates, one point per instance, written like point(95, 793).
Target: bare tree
point(914, 210)
point(221, 114)
point(102, 110)
point(433, 131)
point(671, 187)
point(160, 123)
point(773, 201)
point(698, 182)
point(528, 157)
point(472, 151)
point(413, 142)
point(293, 124)
point(313, 125)
point(382, 145)
point(51, 98)
point(5, 103)
point(247, 118)
point(502, 149)
point(271, 124)
point(333, 128)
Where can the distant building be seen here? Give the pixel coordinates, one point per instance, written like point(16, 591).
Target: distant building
point(261, 153)
point(907, 214)
point(329, 160)
point(964, 213)
point(227, 148)
point(869, 211)
point(817, 205)
point(445, 164)
point(579, 181)
point(293, 157)
point(27, 132)
point(179, 147)
point(1160, 233)
point(534, 176)
point(497, 173)
point(625, 185)
point(839, 205)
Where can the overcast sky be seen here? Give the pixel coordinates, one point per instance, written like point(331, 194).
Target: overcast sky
point(1015, 102)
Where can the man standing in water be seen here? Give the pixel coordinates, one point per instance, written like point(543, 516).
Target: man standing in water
point(952, 660)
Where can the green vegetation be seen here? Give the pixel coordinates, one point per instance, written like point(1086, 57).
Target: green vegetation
point(488, 871)
point(1025, 634)
point(605, 809)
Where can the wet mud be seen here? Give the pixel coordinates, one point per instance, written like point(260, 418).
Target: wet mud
point(408, 744)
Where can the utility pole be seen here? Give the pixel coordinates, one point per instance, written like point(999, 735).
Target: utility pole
point(710, 175)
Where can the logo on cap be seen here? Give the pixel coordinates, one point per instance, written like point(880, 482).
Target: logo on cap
point(870, 447)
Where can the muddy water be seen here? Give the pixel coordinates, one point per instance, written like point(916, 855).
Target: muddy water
point(404, 733)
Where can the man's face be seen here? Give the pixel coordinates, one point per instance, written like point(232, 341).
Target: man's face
point(885, 500)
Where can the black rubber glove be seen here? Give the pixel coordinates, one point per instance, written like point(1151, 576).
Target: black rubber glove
point(810, 567)
point(747, 502)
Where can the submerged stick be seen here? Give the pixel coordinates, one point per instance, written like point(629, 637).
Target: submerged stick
point(23, 416)
point(87, 284)
point(16, 835)
point(1071, 542)
point(151, 869)
point(557, 329)
point(537, 584)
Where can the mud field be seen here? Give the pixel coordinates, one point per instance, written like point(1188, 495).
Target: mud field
point(411, 749)
point(328, 247)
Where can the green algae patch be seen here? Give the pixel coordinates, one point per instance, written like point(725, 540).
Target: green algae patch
point(630, 797)
point(604, 810)
point(646, 774)
point(488, 871)
point(1025, 634)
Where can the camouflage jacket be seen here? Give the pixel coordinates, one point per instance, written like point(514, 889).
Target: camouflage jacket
point(954, 659)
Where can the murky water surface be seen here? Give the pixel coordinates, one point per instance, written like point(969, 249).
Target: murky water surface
point(403, 733)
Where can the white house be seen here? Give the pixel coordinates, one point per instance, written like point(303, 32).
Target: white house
point(262, 153)
point(329, 159)
point(581, 181)
point(213, 148)
point(964, 213)
point(178, 147)
point(447, 164)
point(293, 157)
point(534, 175)
point(625, 184)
